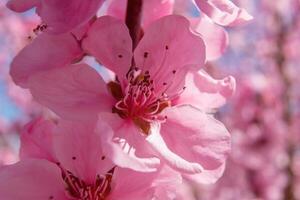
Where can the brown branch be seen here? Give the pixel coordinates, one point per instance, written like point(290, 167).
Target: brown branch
point(280, 58)
point(133, 20)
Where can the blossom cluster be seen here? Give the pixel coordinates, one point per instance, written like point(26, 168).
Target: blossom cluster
point(130, 114)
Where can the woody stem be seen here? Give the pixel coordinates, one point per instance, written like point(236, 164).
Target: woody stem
point(133, 20)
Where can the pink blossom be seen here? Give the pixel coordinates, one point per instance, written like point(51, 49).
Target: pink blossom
point(63, 160)
point(224, 12)
point(59, 16)
point(143, 106)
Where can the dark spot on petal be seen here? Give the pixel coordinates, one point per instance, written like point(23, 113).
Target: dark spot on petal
point(51, 197)
point(103, 157)
point(167, 47)
point(164, 83)
point(174, 71)
point(146, 54)
point(73, 158)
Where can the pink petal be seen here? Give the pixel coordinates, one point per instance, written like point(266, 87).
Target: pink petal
point(132, 185)
point(73, 92)
point(206, 93)
point(158, 185)
point(224, 12)
point(31, 179)
point(44, 53)
point(125, 145)
point(196, 137)
point(116, 53)
point(63, 16)
point(168, 184)
point(214, 36)
point(78, 149)
point(207, 177)
point(117, 9)
point(168, 46)
point(36, 140)
point(172, 159)
point(22, 5)
point(155, 9)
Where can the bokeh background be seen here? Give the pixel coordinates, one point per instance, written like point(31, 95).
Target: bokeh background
point(263, 116)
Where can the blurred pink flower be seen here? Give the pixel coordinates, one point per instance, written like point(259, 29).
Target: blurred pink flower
point(224, 12)
point(59, 16)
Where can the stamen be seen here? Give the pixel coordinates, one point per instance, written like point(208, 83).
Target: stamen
point(78, 189)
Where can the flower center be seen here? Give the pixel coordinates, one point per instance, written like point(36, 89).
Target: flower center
point(139, 100)
point(78, 189)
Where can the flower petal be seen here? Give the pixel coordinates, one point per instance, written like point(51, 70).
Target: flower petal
point(125, 145)
point(132, 185)
point(214, 36)
point(207, 177)
point(22, 5)
point(78, 149)
point(173, 160)
point(156, 185)
point(73, 92)
point(206, 93)
point(36, 140)
point(224, 12)
point(156, 9)
point(196, 137)
point(114, 54)
point(63, 16)
point(44, 53)
point(167, 47)
point(31, 179)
